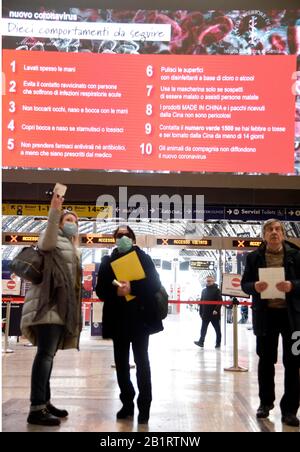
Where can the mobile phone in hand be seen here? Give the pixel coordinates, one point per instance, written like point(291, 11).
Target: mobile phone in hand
point(60, 189)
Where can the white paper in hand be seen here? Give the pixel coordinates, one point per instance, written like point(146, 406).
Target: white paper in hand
point(272, 276)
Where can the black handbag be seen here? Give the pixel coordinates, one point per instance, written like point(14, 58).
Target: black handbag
point(28, 264)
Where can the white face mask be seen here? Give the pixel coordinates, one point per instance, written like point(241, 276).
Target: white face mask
point(70, 229)
point(124, 244)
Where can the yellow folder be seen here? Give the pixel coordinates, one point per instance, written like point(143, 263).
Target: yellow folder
point(128, 268)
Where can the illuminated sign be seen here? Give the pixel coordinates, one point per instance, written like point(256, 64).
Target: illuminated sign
point(246, 243)
point(19, 239)
point(202, 265)
point(97, 239)
point(181, 116)
point(42, 210)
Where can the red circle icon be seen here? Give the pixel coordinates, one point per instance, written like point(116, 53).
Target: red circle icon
point(235, 282)
point(11, 285)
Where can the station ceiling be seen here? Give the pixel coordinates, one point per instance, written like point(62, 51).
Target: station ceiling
point(24, 224)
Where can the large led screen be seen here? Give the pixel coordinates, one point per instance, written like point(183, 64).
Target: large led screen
point(151, 90)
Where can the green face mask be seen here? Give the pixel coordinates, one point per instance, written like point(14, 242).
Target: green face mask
point(124, 244)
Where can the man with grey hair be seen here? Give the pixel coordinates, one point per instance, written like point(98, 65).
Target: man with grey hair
point(272, 317)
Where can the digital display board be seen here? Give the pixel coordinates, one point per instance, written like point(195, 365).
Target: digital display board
point(184, 242)
point(202, 265)
point(19, 239)
point(246, 243)
point(151, 90)
point(96, 239)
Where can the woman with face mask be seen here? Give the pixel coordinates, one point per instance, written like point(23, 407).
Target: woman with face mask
point(130, 322)
point(51, 316)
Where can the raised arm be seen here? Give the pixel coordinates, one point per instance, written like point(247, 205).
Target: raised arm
point(48, 239)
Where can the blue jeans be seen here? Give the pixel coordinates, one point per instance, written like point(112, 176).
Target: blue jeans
point(48, 338)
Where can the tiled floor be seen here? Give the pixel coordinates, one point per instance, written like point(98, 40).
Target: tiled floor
point(191, 390)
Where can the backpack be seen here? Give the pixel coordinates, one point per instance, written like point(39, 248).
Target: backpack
point(162, 299)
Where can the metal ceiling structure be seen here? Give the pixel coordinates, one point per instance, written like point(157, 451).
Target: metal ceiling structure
point(220, 228)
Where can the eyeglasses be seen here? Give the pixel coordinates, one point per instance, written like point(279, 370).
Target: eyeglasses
point(122, 234)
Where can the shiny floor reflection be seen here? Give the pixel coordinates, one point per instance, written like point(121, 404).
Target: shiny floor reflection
point(191, 390)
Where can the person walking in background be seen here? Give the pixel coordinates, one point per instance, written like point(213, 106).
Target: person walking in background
point(244, 314)
point(130, 322)
point(272, 317)
point(51, 316)
point(210, 313)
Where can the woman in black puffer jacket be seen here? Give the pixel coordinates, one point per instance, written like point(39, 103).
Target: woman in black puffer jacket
point(130, 322)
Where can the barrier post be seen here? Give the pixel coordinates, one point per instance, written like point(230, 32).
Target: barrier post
point(225, 324)
point(83, 312)
point(235, 367)
point(6, 333)
point(178, 299)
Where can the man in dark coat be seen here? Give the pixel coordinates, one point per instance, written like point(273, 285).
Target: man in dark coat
point(272, 317)
point(130, 322)
point(210, 313)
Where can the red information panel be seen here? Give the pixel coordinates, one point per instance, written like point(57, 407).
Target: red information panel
point(149, 112)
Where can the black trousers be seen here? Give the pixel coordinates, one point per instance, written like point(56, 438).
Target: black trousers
point(215, 321)
point(143, 374)
point(48, 338)
point(266, 348)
